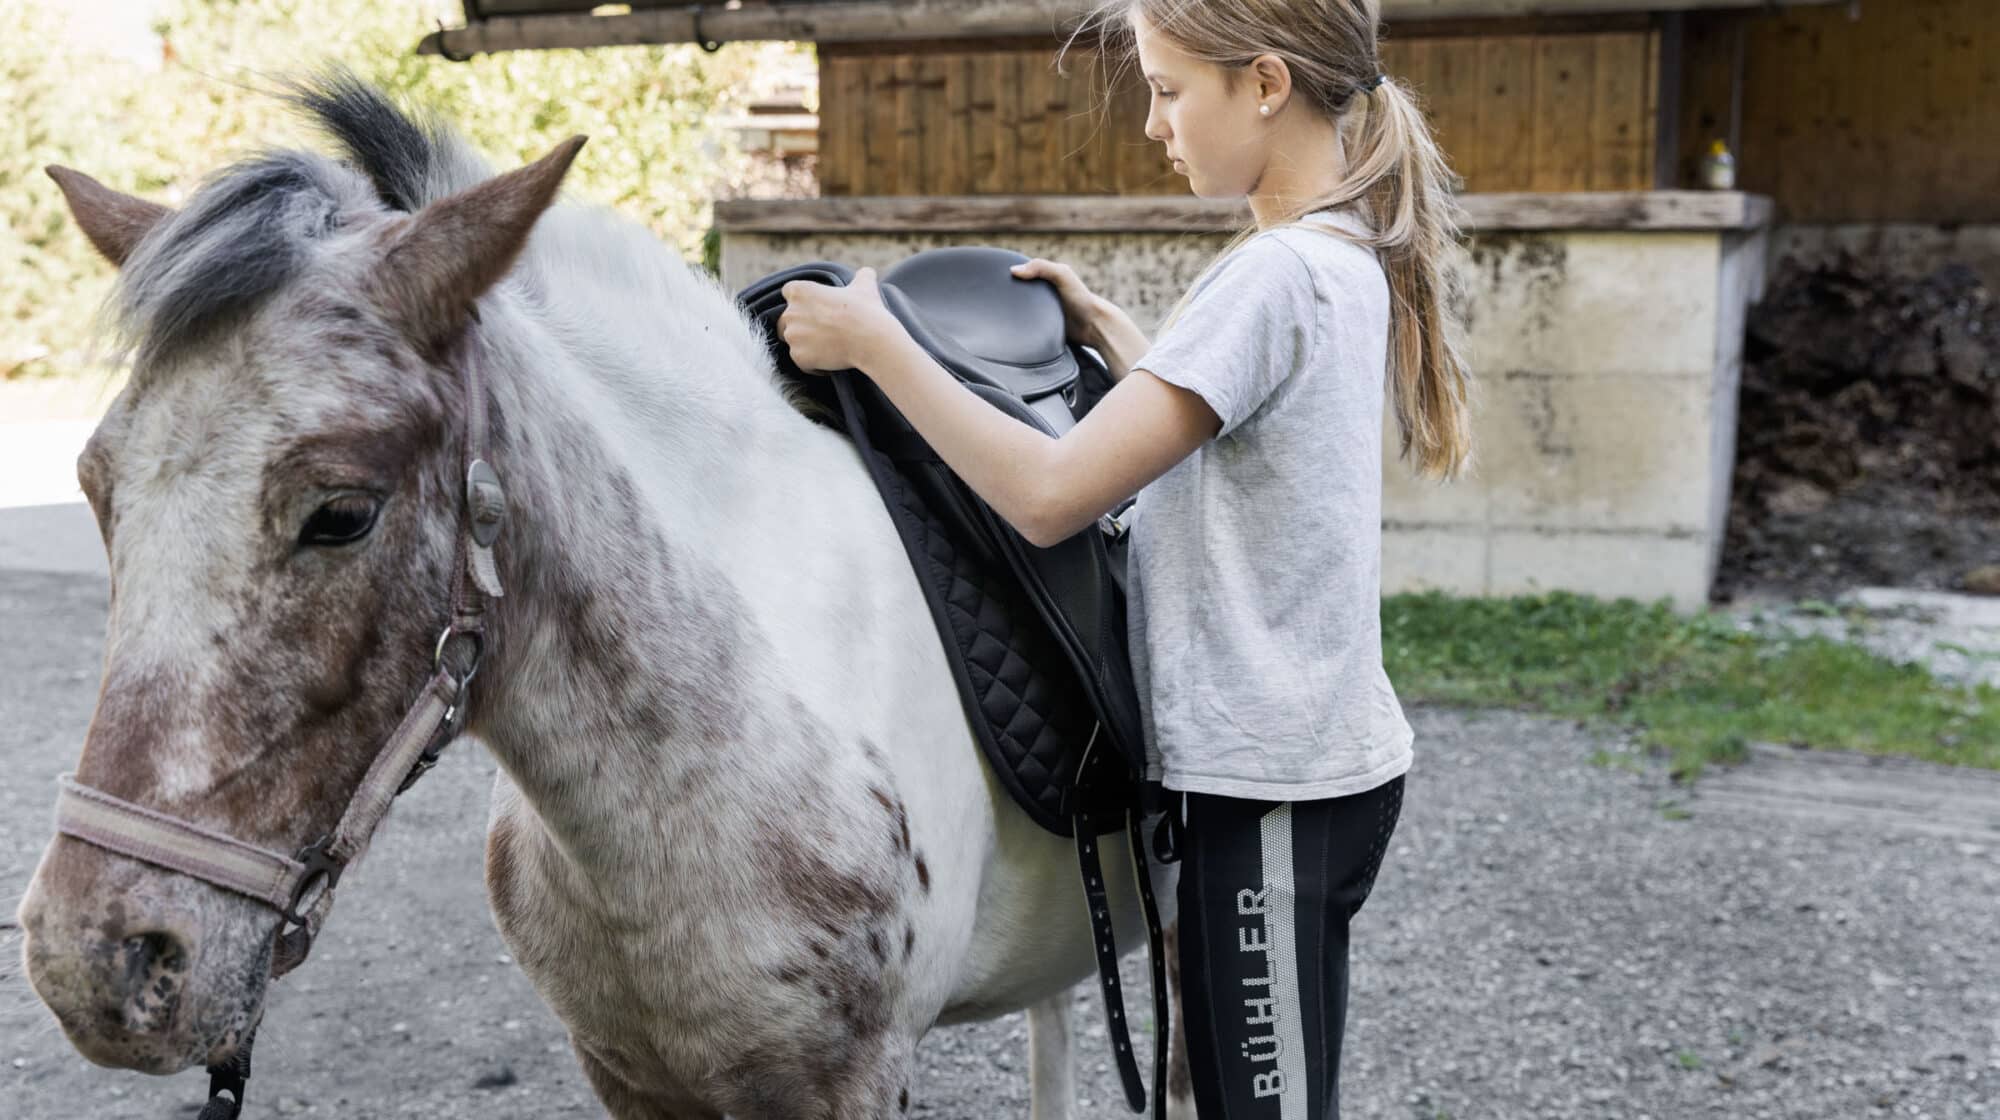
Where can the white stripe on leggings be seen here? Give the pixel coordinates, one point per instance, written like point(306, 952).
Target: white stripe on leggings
point(1281, 904)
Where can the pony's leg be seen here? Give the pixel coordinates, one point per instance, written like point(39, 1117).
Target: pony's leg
point(622, 1102)
point(1051, 1059)
point(1180, 1082)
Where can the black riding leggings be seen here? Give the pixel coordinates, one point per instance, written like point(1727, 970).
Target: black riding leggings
point(1266, 892)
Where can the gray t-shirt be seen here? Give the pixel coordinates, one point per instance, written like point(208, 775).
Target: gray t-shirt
point(1255, 563)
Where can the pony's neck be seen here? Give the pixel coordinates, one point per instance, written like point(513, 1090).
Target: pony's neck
point(626, 656)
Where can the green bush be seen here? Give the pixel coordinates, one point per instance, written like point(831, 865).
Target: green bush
point(654, 154)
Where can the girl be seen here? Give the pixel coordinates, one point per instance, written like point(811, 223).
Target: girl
point(1251, 430)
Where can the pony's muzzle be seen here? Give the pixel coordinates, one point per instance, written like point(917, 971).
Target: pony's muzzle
point(116, 981)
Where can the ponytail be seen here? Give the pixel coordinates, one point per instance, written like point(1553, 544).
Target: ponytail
point(1404, 185)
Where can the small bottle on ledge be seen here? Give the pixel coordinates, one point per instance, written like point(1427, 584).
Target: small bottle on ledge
point(1718, 168)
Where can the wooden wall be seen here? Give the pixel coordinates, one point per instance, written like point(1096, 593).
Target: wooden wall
point(921, 119)
point(1567, 111)
point(1548, 106)
point(1894, 116)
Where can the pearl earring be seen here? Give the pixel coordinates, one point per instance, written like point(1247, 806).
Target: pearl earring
point(1264, 109)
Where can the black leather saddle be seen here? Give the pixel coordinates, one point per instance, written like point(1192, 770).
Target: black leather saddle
point(1035, 636)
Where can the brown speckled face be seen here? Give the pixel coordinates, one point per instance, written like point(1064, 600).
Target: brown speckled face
point(279, 513)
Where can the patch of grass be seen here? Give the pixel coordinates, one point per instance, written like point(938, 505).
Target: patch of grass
point(1616, 760)
point(1693, 686)
point(1688, 1059)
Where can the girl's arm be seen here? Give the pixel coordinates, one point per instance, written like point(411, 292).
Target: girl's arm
point(1114, 335)
point(1047, 489)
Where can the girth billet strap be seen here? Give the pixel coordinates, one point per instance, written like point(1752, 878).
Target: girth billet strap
point(1156, 952)
point(1104, 941)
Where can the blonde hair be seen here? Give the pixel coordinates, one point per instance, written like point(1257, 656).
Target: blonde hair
point(1397, 180)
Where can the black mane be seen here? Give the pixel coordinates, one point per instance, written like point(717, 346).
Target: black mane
point(247, 232)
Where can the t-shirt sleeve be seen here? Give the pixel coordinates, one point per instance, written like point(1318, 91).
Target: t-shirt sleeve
point(1247, 328)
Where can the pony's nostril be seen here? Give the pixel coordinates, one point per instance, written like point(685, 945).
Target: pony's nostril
point(155, 963)
point(146, 952)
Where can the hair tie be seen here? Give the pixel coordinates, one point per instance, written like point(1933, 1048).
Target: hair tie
point(1371, 83)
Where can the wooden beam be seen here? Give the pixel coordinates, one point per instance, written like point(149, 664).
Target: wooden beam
point(1597, 210)
point(830, 22)
point(836, 21)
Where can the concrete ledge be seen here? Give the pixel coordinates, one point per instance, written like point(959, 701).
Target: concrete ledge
point(1578, 210)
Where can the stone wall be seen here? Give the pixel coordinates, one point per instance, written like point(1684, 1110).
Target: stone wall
point(1605, 426)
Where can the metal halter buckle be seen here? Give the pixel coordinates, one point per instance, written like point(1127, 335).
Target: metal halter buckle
point(472, 667)
point(454, 713)
point(322, 870)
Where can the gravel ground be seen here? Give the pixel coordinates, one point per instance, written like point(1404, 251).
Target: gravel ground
point(1549, 938)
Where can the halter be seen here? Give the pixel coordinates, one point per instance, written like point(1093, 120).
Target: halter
point(300, 888)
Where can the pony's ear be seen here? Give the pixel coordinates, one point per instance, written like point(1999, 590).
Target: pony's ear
point(113, 222)
point(457, 247)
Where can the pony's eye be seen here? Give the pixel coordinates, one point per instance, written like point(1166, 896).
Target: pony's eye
point(343, 520)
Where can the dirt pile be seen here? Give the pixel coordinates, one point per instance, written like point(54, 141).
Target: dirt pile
point(1868, 432)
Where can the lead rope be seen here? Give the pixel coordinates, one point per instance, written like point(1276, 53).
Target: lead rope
point(226, 1083)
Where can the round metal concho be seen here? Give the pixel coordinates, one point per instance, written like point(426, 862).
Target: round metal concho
point(487, 500)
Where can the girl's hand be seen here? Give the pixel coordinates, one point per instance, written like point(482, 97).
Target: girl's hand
point(1081, 307)
point(829, 328)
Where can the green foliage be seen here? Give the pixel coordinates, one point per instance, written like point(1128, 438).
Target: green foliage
point(655, 154)
point(1695, 686)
